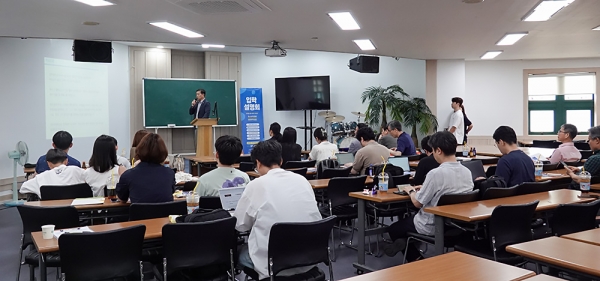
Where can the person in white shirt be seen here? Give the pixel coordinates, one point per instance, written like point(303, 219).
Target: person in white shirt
point(104, 170)
point(120, 159)
point(59, 174)
point(324, 149)
point(276, 196)
point(456, 126)
point(229, 149)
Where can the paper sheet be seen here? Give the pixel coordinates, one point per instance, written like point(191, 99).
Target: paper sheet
point(58, 233)
point(87, 201)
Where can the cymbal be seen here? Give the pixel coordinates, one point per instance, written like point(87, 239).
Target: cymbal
point(337, 118)
point(358, 114)
point(327, 113)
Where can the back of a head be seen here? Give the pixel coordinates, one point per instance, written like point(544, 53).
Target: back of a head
point(275, 128)
point(394, 125)
point(114, 140)
point(152, 149)
point(104, 155)
point(229, 149)
point(365, 134)
point(425, 144)
point(56, 156)
point(138, 137)
point(361, 125)
point(594, 133)
point(457, 100)
point(62, 140)
point(289, 135)
point(570, 130)
point(445, 141)
point(320, 134)
point(268, 153)
point(506, 134)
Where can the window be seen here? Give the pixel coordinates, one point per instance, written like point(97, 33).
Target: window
point(556, 99)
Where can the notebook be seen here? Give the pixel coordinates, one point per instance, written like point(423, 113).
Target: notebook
point(401, 162)
point(230, 197)
point(476, 168)
point(344, 158)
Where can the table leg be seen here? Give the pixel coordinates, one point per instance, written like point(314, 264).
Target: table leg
point(361, 231)
point(439, 235)
point(42, 267)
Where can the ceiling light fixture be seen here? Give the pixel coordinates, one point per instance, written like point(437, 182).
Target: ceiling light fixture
point(546, 9)
point(177, 29)
point(511, 38)
point(344, 20)
point(597, 28)
point(490, 55)
point(206, 46)
point(95, 3)
point(160, 47)
point(365, 44)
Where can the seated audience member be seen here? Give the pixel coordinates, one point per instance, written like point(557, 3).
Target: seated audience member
point(355, 144)
point(426, 164)
point(58, 174)
point(404, 143)
point(372, 152)
point(291, 150)
point(323, 149)
point(567, 151)
point(136, 141)
point(63, 141)
point(104, 168)
point(275, 132)
point(592, 164)
point(277, 196)
point(450, 177)
point(386, 139)
point(514, 166)
point(120, 159)
point(149, 181)
point(229, 149)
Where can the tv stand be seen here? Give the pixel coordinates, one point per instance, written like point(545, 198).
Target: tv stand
point(307, 129)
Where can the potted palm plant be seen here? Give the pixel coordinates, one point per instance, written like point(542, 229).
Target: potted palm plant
point(414, 112)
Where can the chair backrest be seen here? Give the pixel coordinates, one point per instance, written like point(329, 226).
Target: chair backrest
point(338, 190)
point(335, 173)
point(299, 171)
point(490, 171)
point(534, 187)
point(144, 211)
point(189, 186)
point(327, 164)
point(414, 158)
point(246, 166)
point(571, 218)
point(449, 199)
point(58, 192)
point(493, 192)
point(210, 202)
point(545, 144)
point(300, 164)
point(582, 145)
point(299, 244)
point(245, 158)
point(398, 180)
point(511, 224)
point(476, 168)
point(208, 243)
point(34, 217)
point(573, 164)
point(585, 154)
point(102, 255)
point(550, 167)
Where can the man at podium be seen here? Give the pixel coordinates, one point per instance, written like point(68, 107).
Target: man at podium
point(200, 106)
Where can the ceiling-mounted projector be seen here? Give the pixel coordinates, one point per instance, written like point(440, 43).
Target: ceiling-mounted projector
point(275, 51)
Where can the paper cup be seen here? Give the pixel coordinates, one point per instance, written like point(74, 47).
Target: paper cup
point(48, 231)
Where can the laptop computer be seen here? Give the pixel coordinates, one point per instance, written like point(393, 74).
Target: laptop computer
point(476, 168)
point(230, 197)
point(344, 158)
point(401, 162)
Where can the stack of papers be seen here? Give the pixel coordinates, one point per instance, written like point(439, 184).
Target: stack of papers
point(87, 201)
point(311, 169)
point(58, 233)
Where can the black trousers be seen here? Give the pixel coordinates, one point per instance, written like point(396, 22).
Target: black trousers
point(399, 230)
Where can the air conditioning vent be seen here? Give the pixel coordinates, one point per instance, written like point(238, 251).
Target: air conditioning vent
point(215, 7)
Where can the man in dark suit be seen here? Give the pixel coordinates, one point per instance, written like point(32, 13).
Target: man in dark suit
point(200, 106)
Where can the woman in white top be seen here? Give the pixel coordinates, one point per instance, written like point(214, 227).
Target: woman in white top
point(324, 149)
point(104, 168)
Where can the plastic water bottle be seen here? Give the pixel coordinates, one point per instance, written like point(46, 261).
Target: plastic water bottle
point(539, 170)
point(370, 170)
point(584, 184)
point(465, 150)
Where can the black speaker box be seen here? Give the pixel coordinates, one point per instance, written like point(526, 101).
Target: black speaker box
point(92, 51)
point(365, 64)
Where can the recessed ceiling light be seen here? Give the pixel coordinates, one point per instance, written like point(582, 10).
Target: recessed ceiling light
point(206, 46)
point(490, 55)
point(177, 29)
point(90, 23)
point(365, 44)
point(546, 9)
point(160, 47)
point(511, 38)
point(597, 28)
point(96, 3)
point(344, 20)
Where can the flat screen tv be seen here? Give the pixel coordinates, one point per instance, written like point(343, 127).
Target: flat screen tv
point(302, 93)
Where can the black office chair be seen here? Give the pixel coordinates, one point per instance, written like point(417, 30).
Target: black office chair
point(534, 187)
point(210, 202)
point(245, 158)
point(550, 167)
point(476, 168)
point(499, 192)
point(585, 154)
point(491, 170)
point(188, 186)
point(299, 244)
point(246, 166)
point(545, 144)
point(33, 218)
point(209, 255)
point(508, 225)
point(300, 164)
point(582, 145)
point(414, 158)
point(299, 171)
point(398, 180)
point(329, 173)
point(105, 255)
point(58, 192)
point(571, 218)
point(144, 211)
point(573, 164)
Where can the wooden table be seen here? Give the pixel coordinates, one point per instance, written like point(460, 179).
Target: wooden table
point(451, 266)
point(490, 150)
point(591, 236)
point(44, 246)
point(67, 202)
point(207, 160)
point(482, 210)
point(323, 183)
point(566, 254)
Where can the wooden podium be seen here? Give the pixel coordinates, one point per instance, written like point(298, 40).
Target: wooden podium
point(204, 136)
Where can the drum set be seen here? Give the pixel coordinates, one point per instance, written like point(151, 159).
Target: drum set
point(341, 133)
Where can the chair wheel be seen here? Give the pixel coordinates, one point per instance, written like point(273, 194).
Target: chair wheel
point(359, 272)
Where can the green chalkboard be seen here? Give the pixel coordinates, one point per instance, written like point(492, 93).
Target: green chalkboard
point(167, 101)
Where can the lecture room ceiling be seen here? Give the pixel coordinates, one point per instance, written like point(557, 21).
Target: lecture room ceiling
point(420, 29)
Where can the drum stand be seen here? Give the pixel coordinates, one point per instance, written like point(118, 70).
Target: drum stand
point(307, 129)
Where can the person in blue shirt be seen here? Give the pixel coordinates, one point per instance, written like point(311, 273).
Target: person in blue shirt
point(514, 166)
point(404, 143)
point(61, 140)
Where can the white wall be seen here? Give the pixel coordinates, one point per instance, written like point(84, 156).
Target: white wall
point(22, 110)
point(450, 84)
point(259, 71)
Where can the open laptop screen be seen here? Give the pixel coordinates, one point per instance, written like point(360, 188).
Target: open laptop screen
point(344, 158)
point(230, 197)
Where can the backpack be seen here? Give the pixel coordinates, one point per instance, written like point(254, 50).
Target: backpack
point(493, 181)
point(390, 170)
point(326, 164)
point(203, 215)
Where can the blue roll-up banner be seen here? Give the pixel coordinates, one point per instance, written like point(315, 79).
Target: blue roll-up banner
point(252, 117)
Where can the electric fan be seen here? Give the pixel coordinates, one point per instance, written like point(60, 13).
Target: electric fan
point(19, 155)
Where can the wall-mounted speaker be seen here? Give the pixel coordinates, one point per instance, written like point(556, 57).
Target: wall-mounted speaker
point(365, 64)
point(92, 51)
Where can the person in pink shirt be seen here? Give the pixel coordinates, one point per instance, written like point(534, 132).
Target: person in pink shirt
point(567, 151)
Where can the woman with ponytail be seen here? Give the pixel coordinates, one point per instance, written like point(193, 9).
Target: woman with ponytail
point(275, 132)
point(456, 126)
point(324, 149)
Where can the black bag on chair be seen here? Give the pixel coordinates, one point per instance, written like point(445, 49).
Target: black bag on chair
point(390, 170)
point(326, 164)
point(204, 215)
point(493, 181)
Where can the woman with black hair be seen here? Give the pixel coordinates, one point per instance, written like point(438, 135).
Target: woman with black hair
point(323, 149)
point(275, 132)
point(291, 151)
point(104, 167)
